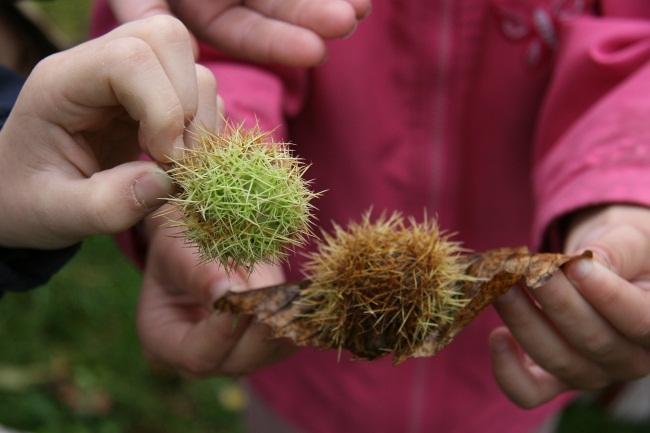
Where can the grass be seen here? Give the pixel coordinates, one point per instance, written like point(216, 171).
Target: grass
point(66, 21)
point(583, 416)
point(70, 360)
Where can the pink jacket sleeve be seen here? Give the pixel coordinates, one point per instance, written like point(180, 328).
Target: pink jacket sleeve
point(593, 140)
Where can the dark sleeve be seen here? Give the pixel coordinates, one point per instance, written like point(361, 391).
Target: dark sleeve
point(10, 84)
point(22, 269)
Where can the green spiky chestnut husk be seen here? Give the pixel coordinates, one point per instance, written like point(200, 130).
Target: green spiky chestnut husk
point(243, 197)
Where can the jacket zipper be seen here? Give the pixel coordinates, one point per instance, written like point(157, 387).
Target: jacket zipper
point(441, 89)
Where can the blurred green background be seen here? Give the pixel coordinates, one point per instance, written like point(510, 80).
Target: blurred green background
point(70, 360)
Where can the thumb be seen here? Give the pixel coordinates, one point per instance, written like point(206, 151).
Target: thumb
point(620, 247)
point(113, 200)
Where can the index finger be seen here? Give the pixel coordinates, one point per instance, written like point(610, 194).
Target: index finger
point(171, 42)
point(85, 84)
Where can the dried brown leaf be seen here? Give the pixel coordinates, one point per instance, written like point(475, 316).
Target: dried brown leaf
point(490, 274)
point(274, 306)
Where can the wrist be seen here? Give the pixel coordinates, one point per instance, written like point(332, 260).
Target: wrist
point(8, 229)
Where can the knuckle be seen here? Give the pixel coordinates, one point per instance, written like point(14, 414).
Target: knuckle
point(128, 48)
point(166, 29)
point(45, 80)
point(46, 66)
point(599, 347)
point(105, 215)
point(51, 75)
point(101, 223)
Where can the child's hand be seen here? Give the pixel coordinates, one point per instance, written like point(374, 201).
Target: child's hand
point(289, 32)
point(81, 114)
point(177, 324)
point(592, 325)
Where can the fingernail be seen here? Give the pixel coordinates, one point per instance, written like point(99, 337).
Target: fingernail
point(151, 188)
point(579, 270)
point(179, 149)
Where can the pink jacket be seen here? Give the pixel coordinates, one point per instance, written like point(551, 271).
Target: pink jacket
point(500, 117)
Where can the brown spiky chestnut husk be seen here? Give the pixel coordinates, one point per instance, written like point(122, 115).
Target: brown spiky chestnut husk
point(384, 286)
